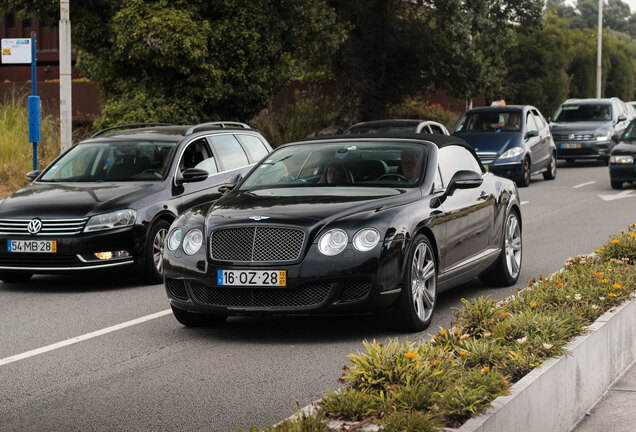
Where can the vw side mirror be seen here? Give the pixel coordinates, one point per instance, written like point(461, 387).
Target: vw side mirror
point(230, 184)
point(616, 138)
point(32, 175)
point(192, 175)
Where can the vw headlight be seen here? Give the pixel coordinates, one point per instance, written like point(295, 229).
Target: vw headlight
point(174, 239)
point(603, 137)
point(333, 242)
point(106, 221)
point(192, 242)
point(366, 239)
point(510, 153)
point(621, 159)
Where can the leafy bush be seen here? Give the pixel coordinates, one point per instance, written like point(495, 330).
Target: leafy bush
point(419, 108)
point(426, 386)
point(15, 149)
point(309, 113)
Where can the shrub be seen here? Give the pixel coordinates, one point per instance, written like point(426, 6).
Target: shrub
point(308, 114)
point(15, 149)
point(419, 108)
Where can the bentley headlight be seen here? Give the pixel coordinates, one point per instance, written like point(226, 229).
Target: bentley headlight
point(106, 221)
point(174, 239)
point(510, 153)
point(333, 242)
point(366, 239)
point(192, 242)
point(621, 159)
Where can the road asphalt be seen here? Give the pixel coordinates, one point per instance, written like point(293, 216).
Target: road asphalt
point(158, 375)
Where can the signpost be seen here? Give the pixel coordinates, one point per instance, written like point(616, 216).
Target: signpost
point(21, 51)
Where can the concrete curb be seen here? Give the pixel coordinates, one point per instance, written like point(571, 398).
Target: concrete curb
point(556, 396)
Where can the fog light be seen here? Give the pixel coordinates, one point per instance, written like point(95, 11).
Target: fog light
point(111, 254)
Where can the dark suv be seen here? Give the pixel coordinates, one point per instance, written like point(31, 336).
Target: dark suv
point(108, 201)
point(583, 128)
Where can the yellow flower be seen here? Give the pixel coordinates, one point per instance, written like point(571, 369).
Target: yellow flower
point(614, 241)
point(442, 332)
point(410, 355)
point(462, 353)
point(455, 331)
point(486, 369)
point(632, 235)
point(560, 284)
point(622, 231)
point(605, 281)
point(616, 286)
point(612, 294)
point(599, 274)
point(601, 248)
point(506, 314)
point(533, 304)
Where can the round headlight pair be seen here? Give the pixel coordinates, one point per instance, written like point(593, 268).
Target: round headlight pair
point(191, 242)
point(335, 241)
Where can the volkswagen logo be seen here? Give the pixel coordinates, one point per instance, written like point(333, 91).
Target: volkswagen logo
point(258, 218)
point(571, 137)
point(34, 226)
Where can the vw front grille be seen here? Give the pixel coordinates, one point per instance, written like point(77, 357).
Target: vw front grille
point(573, 137)
point(50, 227)
point(256, 244)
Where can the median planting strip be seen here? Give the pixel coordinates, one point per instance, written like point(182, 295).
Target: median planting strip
point(440, 384)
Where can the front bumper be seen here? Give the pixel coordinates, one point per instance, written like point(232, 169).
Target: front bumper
point(511, 170)
point(74, 253)
point(351, 282)
point(570, 150)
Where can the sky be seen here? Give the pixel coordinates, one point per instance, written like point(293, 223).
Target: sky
point(631, 3)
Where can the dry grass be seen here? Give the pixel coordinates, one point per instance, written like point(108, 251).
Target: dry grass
point(16, 150)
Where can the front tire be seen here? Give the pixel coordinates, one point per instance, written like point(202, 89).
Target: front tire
point(550, 174)
point(414, 308)
point(192, 319)
point(524, 179)
point(508, 266)
point(616, 184)
point(15, 277)
point(153, 251)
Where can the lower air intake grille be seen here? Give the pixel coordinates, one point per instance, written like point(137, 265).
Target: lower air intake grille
point(355, 290)
point(177, 289)
point(309, 295)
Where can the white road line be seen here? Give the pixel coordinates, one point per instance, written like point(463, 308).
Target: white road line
point(583, 184)
point(82, 338)
point(524, 202)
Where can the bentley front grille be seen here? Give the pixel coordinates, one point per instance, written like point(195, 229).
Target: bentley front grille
point(306, 296)
point(256, 244)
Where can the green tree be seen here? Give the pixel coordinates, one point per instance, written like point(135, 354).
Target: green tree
point(192, 60)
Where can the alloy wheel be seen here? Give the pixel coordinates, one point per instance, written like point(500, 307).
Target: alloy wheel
point(157, 249)
point(513, 245)
point(423, 282)
point(553, 166)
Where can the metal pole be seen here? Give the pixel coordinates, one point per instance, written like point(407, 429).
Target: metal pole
point(34, 92)
point(66, 101)
point(599, 48)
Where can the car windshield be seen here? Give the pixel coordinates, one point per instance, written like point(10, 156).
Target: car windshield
point(388, 164)
point(489, 122)
point(112, 161)
point(569, 113)
point(381, 129)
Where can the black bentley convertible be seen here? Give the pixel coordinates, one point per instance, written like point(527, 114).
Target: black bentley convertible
point(346, 224)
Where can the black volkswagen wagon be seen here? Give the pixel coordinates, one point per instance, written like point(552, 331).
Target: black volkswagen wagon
point(109, 200)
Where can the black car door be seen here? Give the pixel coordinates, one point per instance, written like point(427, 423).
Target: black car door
point(468, 213)
point(197, 154)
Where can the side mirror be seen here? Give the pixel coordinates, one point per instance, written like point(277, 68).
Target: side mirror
point(464, 180)
point(621, 119)
point(532, 133)
point(549, 119)
point(230, 183)
point(32, 175)
point(192, 175)
point(616, 138)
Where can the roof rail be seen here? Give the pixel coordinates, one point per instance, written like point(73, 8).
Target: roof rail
point(129, 126)
point(221, 124)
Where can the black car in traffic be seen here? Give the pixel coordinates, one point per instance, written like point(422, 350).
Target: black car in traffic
point(622, 166)
point(109, 200)
point(346, 224)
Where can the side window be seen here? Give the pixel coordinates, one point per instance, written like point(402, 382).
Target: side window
point(254, 146)
point(229, 151)
point(539, 119)
point(436, 129)
point(530, 123)
point(198, 155)
point(455, 158)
